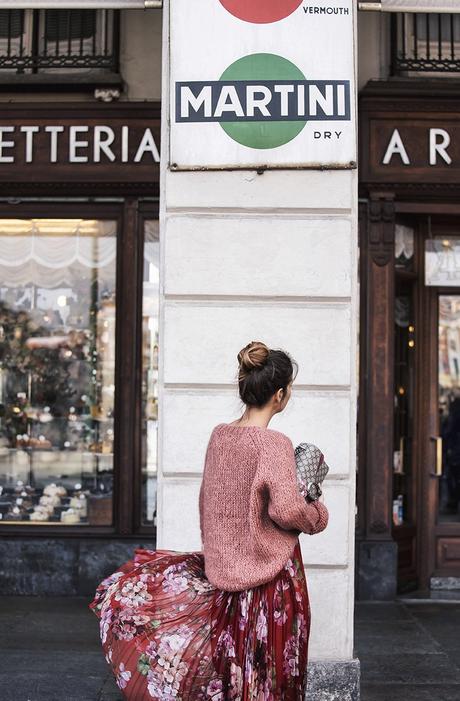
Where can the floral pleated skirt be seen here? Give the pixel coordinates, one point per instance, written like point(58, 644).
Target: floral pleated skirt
point(169, 634)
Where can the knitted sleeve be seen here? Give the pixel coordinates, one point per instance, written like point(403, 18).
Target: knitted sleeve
point(201, 497)
point(286, 506)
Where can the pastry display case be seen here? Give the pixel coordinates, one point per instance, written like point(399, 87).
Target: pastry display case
point(57, 371)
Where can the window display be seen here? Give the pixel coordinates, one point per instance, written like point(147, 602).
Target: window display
point(57, 370)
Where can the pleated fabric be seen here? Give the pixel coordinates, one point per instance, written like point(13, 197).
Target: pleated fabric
point(168, 634)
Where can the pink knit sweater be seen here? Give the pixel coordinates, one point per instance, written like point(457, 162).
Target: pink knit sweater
point(251, 510)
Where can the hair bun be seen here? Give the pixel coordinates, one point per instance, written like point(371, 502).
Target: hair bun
point(254, 356)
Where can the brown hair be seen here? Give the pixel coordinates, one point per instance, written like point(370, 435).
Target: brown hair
point(263, 371)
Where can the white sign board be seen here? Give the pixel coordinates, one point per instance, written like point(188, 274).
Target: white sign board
point(262, 83)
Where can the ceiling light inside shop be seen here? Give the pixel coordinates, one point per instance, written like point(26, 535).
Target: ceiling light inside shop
point(57, 227)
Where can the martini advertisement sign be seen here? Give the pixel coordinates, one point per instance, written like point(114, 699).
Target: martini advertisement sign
point(262, 84)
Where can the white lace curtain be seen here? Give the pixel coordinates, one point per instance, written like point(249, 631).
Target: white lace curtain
point(51, 252)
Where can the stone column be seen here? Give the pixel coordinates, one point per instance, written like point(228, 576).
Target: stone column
point(271, 256)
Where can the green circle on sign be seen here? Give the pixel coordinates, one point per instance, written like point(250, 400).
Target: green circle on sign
point(263, 134)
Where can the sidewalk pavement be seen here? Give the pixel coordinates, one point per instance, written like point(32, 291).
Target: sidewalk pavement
point(409, 651)
point(50, 651)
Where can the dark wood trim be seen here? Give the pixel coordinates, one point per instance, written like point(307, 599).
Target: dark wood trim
point(405, 274)
point(68, 82)
point(104, 210)
point(147, 210)
point(64, 189)
point(427, 420)
point(125, 364)
point(427, 207)
point(378, 270)
point(409, 89)
point(406, 535)
point(138, 404)
point(56, 531)
point(148, 109)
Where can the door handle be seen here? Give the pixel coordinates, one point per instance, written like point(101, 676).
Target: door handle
point(438, 470)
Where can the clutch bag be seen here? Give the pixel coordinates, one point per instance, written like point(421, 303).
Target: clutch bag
point(311, 470)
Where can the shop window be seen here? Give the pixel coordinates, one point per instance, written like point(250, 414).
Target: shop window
point(150, 314)
point(425, 42)
point(442, 260)
point(448, 467)
point(35, 41)
point(57, 370)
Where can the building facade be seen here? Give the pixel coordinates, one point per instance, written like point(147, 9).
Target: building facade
point(128, 288)
point(79, 200)
point(408, 527)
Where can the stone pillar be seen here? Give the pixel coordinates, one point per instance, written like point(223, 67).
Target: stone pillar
point(269, 255)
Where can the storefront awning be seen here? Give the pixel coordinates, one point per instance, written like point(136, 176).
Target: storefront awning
point(81, 4)
point(411, 5)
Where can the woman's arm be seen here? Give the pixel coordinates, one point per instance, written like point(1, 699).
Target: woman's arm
point(287, 507)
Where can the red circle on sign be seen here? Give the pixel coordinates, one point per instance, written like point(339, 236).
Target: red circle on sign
point(261, 11)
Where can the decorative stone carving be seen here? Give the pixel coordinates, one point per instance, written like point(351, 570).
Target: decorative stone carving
point(381, 228)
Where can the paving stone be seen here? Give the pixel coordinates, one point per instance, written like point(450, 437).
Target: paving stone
point(409, 692)
point(110, 691)
point(21, 685)
point(69, 633)
point(63, 623)
point(409, 668)
point(381, 611)
point(393, 637)
point(35, 604)
point(55, 663)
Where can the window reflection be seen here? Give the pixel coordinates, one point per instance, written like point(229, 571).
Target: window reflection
point(57, 369)
point(150, 311)
point(449, 406)
point(404, 247)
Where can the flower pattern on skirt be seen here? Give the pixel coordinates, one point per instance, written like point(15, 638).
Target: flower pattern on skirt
point(170, 635)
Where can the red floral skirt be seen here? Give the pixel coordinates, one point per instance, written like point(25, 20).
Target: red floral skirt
point(169, 634)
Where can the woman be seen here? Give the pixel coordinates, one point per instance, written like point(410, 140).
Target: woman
point(232, 621)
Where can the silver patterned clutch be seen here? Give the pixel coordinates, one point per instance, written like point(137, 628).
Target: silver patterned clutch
point(311, 470)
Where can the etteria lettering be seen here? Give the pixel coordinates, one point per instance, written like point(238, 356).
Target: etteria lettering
point(77, 143)
point(266, 100)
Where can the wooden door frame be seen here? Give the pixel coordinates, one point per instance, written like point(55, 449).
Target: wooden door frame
point(425, 419)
